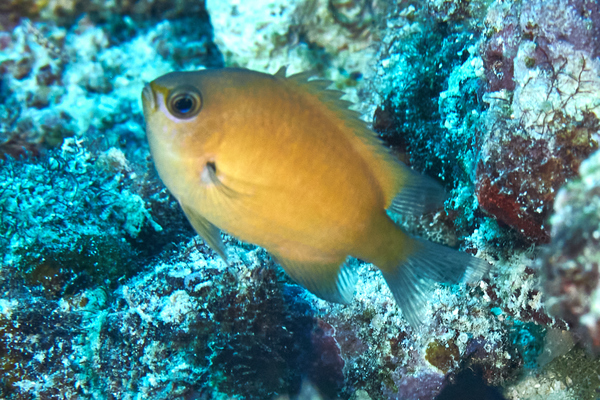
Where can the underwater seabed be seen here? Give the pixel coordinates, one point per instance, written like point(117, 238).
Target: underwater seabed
point(106, 292)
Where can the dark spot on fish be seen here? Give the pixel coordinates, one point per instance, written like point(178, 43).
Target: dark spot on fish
point(212, 166)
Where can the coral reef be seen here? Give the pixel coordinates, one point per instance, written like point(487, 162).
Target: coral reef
point(570, 263)
point(194, 327)
point(542, 85)
point(83, 81)
point(67, 12)
point(336, 39)
point(508, 105)
point(105, 289)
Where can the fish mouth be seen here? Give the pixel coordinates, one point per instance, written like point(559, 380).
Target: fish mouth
point(148, 97)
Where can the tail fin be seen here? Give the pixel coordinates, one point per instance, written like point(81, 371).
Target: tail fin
point(413, 281)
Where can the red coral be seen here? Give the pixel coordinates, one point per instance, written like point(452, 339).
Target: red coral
point(506, 209)
point(520, 177)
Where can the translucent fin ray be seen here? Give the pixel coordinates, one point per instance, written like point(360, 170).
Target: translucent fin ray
point(413, 281)
point(209, 233)
point(333, 281)
point(281, 72)
point(419, 195)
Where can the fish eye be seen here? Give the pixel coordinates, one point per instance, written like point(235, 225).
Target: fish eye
point(184, 103)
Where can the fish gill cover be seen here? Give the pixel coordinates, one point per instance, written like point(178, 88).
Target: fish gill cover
point(106, 292)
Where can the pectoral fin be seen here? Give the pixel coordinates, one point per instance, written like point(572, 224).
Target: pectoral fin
point(331, 280)
point(209, 233)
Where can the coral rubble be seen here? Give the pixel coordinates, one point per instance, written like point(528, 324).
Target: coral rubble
point(106, 292)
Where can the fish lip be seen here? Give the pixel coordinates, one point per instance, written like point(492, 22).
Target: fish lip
point(148, 97)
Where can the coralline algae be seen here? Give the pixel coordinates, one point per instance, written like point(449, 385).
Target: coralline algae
point(105, 293)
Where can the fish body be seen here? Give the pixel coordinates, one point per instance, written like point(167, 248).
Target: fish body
point(281, 162)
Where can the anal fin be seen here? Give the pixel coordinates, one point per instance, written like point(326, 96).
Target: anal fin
point(209, 233)
point(332, 280)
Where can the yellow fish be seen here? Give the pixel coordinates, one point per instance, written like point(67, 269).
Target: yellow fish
point(282, 163)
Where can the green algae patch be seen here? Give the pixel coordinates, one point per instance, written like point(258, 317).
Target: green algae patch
point(580, 372)
point(443, 356)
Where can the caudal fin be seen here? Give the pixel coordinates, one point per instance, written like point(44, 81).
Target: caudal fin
point(413, 281)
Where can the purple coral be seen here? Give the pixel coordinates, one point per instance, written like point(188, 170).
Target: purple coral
point(576, 22)
point(498, 54)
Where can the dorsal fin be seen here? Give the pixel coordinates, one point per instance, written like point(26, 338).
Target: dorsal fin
point(387, 170)
point(281, 72)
